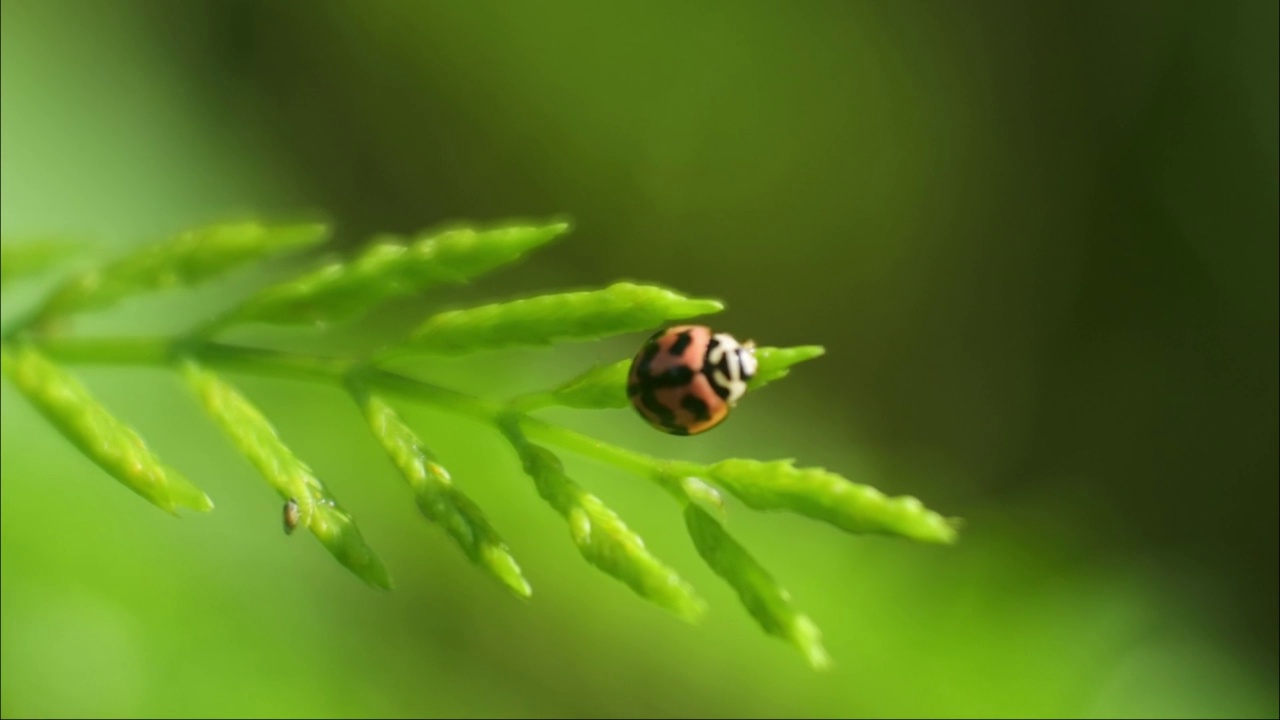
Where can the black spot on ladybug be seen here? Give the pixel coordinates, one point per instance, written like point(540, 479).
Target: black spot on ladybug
point(646, 360)
point(681, 344)
point(710, 372)
point(662, 413)
point(723, 365)
point(675, 377)
point(695, 405)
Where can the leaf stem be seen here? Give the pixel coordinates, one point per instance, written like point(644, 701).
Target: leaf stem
point(440, 397)
point(571, 440)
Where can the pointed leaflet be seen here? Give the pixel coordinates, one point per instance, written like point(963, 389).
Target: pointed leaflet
point(767, 601)
point(823, 495)
point(112, 444)
point(601, 536)
point(257, 440)
point(189, 258)
point(546, 319)
point(437, 497)
point(601, 387)
point(775, 363)
point(391, 268)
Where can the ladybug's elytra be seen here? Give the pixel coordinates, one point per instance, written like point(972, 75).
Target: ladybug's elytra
point(685, 379)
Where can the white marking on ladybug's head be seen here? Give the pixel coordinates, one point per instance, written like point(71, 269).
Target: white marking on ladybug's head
point(740, 362)
point(747, 359)
point(727, 342)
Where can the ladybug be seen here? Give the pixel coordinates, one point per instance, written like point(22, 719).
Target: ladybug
point(685, 379)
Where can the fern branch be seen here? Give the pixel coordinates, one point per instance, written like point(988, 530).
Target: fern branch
point(777, 485)
point(33, 358)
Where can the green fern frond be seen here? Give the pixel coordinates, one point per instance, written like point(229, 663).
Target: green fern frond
point(32, 349)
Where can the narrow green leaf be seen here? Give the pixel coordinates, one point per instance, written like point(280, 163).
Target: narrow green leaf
point(256, 439)
point(767, 602)
point(26, 259)
point(823, 495)
point(601, 387)
point(603, 538)
point(392, 267)
point(775, 363)
point(188, 258)
point(438, 498)
point(109, 442)
point(546, 319)
point(605, 386)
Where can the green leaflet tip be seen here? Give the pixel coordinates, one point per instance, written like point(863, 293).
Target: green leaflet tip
point(349, 548)
point(947, 531)
point(202, 504)
point(520, 587)
point(775, 363)
point(692, 611)
point(302, 235)
point(808, 639)
point(505, 568)
point(183, 493)
point(702, 306)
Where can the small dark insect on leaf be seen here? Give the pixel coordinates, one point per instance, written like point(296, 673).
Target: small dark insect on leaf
point(291, 516)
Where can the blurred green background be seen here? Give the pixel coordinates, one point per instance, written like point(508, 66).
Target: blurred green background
point(1039, 241)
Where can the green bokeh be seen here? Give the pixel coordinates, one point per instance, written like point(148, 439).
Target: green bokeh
point(1037, 240)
